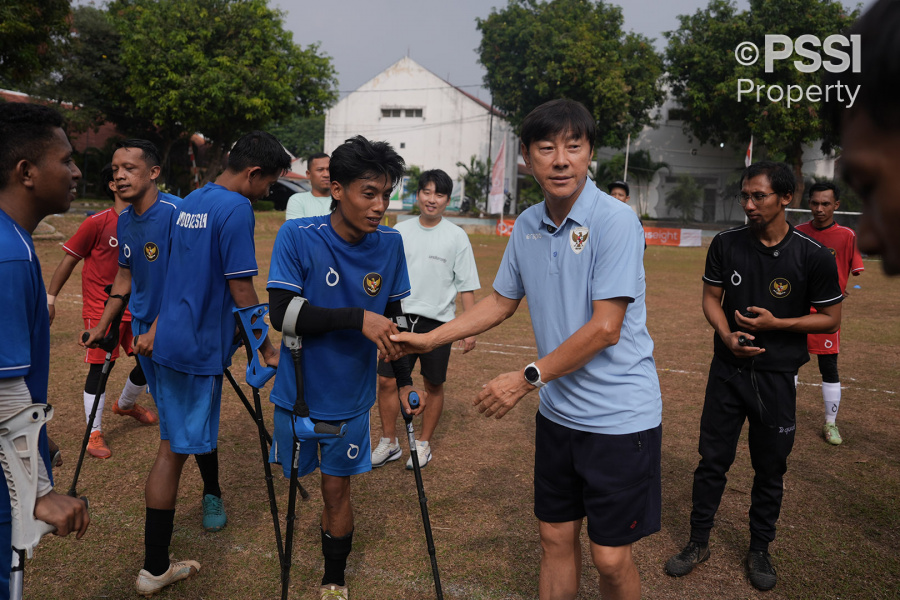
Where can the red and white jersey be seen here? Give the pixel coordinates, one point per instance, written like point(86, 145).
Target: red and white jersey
point(841, 242)
point(96, 243)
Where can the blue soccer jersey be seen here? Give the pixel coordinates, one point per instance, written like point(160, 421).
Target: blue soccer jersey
point(212, 242)
point(25, 330)
point(311, 259)
point(144, 250)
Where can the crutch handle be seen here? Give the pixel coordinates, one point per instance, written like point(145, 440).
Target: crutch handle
point(413, 403)
point(329, 429)
point(305, 429)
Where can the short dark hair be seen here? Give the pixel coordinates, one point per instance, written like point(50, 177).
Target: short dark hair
point(150, 153)
point(878, 79)
point(824, 186)
point(106, 177)
point(442, 182)
point(781, 176)
point(317, 155)
point(259, 149)
point(555, 117)
point(619, 184)
point(25, 130)
point(358, 158)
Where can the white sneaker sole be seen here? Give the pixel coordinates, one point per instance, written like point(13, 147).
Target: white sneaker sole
point(391, 457)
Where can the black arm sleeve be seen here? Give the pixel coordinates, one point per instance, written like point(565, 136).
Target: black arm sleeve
point(312, 319)
point(402, 372)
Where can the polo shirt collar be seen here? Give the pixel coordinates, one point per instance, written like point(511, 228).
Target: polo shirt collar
point(580, 211)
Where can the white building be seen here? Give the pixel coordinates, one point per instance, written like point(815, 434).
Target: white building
point(431, 123)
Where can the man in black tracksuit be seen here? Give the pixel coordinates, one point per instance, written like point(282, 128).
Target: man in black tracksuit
point(759, 284)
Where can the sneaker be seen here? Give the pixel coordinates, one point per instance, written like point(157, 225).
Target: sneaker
point(148, 584)
point(385, 452)
point(214, 518)
point(97, 446)
point(760, 570)
point(684, 562)
point(334, 592)
point(144, 416)
point(423, 449)
point(832, 435)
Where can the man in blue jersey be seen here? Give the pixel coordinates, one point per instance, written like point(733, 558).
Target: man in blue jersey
point(348, 274)
point(578, 256)
point(37, 178)
point(211, 266)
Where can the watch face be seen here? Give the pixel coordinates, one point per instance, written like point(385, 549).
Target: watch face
point(532, 374)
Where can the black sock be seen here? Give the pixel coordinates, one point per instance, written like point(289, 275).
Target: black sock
point(157, 537)
point(335, 550)
point(757, 545)
point(209, 471)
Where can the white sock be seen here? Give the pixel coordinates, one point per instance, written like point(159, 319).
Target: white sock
point(796, 381)
point(89, 404)
point(831, 392)
point(130, 394)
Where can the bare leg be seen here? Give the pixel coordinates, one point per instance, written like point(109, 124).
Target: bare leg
point(560, 560)
point(162, 483)
point(388, 406)
point(434, 406)
point(337, 514)
point(619, 578)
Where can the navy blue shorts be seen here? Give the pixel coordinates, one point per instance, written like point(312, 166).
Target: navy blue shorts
point(613, 480)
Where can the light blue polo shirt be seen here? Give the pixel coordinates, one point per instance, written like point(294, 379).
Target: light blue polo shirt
point(597, 254)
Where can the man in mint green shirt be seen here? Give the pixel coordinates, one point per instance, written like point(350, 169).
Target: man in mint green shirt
point(441, 265)
point(317, 201)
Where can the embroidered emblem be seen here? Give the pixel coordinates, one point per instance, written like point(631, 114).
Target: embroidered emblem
point(780, 287)
point(151, 251)
point(372, 284)
point(578, 239)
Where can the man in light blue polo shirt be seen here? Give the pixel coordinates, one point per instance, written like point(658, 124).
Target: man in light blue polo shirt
point(578, 256)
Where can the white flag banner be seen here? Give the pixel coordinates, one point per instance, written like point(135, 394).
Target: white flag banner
point(498, 174)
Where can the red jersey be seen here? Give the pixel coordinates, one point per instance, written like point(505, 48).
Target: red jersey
point(841, 241)
point(96, 243)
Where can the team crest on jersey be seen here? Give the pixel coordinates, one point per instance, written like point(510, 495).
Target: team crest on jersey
point(780, 287)
point(151, 251)
point(372, 283)
point(833, 253)
point(578, 239)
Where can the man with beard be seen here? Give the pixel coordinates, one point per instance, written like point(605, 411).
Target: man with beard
point(760, 281)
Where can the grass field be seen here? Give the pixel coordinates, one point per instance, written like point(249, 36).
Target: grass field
point(838, 536)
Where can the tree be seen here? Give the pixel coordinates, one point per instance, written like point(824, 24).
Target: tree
point(610, 170)
point(28, 32)
point(685, 198)
point(302, 136)
point(538, 51)
point(704, 75)
point(220, 67)
point(476, 177)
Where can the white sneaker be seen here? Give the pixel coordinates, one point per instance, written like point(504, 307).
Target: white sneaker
point(334, 592)
point(148, 584)
point(385, 452)
point(423, 450)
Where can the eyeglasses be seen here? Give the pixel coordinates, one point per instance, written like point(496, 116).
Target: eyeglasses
point(757, 198)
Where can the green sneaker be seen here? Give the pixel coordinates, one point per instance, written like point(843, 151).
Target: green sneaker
point(832, 435)
point(214, 518)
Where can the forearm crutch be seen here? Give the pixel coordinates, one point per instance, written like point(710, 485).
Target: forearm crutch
point(304, 430)
point(420, 487)
point(108, 343)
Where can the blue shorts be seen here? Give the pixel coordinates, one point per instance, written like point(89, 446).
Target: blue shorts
point(188, 407)
point(341, 457)
point(138, 327)
point(613, 480)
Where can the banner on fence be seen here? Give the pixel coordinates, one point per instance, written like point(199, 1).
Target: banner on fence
point(505, 226)
point(664, 236)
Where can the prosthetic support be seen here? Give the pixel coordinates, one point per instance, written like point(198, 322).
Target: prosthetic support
point(20, 457)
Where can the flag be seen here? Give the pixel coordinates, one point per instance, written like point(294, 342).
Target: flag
point(748, 159)
point(498, 173)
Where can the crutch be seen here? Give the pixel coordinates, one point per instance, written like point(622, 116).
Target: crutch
point(108, 343)
point(303, 429)
point(423, 501)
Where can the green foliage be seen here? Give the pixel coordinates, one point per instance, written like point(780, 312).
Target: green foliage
point(538, 51)
point(29, 31)
point(530, 193)
point(685, 198)
point(476, 177)
point(221, 67)
point(263, 205)
point(703, 73)
point(302, 136)
point(610, 170)
point(411, 187)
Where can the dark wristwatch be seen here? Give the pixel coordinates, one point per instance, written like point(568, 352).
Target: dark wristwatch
point(533, 376)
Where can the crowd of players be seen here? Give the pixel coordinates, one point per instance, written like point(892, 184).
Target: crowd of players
point(771, 292)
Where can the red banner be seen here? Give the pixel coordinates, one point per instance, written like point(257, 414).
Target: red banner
point(505, 227)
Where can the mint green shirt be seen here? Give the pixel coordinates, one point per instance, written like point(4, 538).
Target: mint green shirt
point(305, 204)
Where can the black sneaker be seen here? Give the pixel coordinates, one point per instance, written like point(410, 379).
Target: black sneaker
point(760, 570)
point(684, 562)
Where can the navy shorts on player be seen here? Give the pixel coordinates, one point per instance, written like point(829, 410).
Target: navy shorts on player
point(188, 407)
point(613, 480)
point(341, 457)
point(434, 363)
